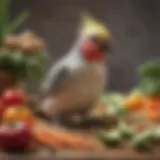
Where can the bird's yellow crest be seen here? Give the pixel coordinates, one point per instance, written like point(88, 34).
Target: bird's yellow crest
point(91, 26)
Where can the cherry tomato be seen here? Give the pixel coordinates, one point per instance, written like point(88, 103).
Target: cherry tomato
point(1, 107)
point(13, 97)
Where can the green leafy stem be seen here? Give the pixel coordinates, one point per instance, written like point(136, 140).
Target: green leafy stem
point(7, 27)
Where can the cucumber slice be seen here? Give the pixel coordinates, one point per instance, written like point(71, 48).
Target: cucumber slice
point(156, 134)
point(111, 138)
point(142, 141)
point(126, 131)
point(115, 105)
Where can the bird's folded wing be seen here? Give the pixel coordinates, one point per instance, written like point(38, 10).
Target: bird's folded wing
point(54, 79)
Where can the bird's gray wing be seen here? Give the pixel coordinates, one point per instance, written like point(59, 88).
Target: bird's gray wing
point(55, 79)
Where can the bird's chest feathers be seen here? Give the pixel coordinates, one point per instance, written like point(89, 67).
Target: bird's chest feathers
point(89, 78)
point(90, 74)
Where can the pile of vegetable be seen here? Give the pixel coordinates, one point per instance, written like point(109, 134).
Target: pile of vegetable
point(19, 128)
point(20, 54)
point(138, 137)
point(146, 96)
point(138, 113)
point(16, 122)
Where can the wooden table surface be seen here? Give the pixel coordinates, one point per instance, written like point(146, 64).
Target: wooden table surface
point(119, 154)
point(72, 155)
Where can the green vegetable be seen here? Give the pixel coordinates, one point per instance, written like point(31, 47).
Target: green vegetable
point(126, 131)
point(156, 134)
point(4, 9)
point(150, 69)
point(150, 87)
point(142, 141)
point(111, 138)
point(5, 26)
point(14, 62)
point(115, 104)
point(135, 91)
point(35, 67)
point(24, 67)
point(150, 78)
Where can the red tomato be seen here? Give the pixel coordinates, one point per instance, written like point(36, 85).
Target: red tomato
point(2, 108)
point(13, 97)
point(15, 136)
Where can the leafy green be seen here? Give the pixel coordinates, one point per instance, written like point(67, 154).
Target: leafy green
point(5, 26)
point(35, 67)
point(4, 9)
point(14, 62)
point(150, 87)
point(18, 21)
point(150, 70)
point(149, 83)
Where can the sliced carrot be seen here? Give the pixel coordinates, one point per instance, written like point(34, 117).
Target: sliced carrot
point(60, 138)
point(152, 114)
point(46, 140)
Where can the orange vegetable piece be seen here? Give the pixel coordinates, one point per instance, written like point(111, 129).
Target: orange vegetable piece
point(134, 102)
point(149, 104)
point(53, 137)
point(152, 114)
point(15, 113)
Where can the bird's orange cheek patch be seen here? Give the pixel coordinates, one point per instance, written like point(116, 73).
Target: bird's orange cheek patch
point(91, 52)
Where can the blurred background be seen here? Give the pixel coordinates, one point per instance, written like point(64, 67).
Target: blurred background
point(134, 24)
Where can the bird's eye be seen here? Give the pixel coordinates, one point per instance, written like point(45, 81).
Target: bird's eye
point(105, 47)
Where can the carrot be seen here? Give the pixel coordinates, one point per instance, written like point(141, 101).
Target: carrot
point(59, 138)
point(152, 114)
point(47, 140)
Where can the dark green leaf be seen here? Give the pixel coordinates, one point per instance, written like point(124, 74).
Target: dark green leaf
point(150, 69)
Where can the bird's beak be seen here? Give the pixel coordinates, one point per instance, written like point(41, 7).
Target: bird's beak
point(105, 47)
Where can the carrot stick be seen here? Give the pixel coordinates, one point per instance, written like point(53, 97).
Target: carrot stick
point(60, 138)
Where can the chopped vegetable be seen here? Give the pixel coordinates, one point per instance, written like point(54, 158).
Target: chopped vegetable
point(12, 113)
point(111, 138)
point(150, 69)
point(156, 134)
point(142, 141)
point(126, 131)
point(48, 135)
point(134, 102)
point(13, 97)
point(114, 105)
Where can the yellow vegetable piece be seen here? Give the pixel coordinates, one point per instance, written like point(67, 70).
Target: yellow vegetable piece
point(14, 113)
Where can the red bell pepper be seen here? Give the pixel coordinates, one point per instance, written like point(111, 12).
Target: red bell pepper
point(15, 136)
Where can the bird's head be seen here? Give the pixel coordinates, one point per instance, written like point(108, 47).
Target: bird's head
point(95, 42)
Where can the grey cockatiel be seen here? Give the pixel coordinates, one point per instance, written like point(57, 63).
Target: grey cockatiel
point(77, 80)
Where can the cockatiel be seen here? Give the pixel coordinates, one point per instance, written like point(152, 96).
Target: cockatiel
point(77, 80)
